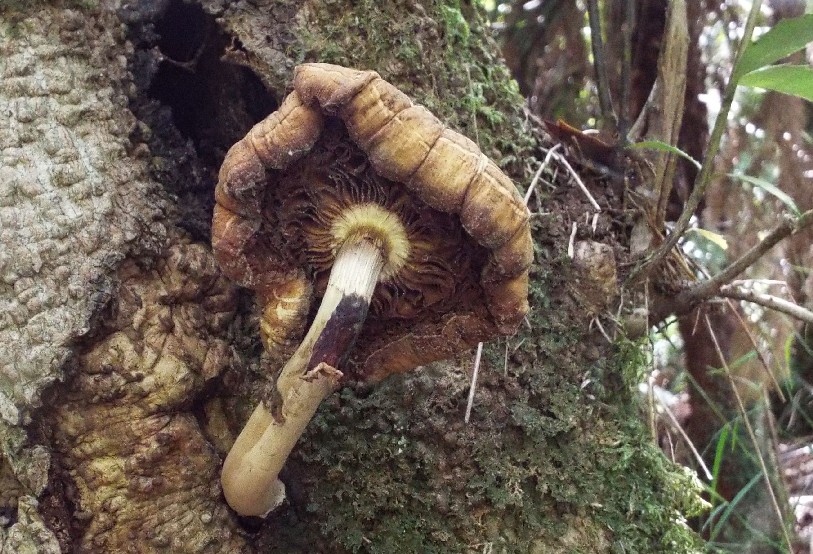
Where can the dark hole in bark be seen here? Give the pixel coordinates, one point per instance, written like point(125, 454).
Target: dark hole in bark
point(206, 103)
point(193, 104)
point(213, 103)
point(8, 516)
point(182, 31)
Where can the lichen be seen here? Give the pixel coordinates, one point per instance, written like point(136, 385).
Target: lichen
point(29, 534)
point(21, 7)
point(73, 202)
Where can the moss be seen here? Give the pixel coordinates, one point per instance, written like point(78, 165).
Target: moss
point(648, 513)
point(463, 82)
point(456, 28)
point(555, 441)
point(539, 457)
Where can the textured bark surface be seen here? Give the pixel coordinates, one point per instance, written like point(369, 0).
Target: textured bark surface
point(71, 197)
point(74, 200)
point(118, 117)
point(142, 470)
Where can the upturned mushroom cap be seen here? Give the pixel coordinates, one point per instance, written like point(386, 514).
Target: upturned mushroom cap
point(346, 144)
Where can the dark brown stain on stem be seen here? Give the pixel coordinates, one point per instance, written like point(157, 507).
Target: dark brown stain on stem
point(340, 332)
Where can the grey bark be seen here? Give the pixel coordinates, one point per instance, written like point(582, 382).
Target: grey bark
point(74, 201)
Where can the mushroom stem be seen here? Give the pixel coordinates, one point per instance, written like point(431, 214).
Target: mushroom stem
point(250, 472)
point(342, 312)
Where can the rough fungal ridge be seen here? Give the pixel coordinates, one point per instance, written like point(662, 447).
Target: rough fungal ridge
point(142, 469)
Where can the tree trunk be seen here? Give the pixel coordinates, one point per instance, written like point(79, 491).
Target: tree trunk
point(129, 362)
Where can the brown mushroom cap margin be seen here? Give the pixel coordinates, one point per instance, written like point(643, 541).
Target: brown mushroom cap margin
point(404, 143)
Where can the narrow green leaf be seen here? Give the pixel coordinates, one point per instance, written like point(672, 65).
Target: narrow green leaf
point(784, 38)
point(664, 147)
point(718, 456)
point(711, 236)
point(720, 524)
point(771, 189)
point(745, 358)
point(789, 79)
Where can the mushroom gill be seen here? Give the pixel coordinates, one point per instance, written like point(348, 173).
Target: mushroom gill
point(430, 262)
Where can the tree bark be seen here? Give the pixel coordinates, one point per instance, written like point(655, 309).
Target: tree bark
point(129, 362)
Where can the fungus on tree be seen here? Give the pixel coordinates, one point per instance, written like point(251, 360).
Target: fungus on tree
point(352, 193)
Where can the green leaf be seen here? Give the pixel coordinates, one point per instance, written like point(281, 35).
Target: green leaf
point(711, 236)
point(771, 189)
point(719, 524)
point(784, 38)
point(718, 456)
point(789, 79)
point(664, 147)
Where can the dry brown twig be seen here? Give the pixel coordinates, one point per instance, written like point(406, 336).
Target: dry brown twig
point(766, 300)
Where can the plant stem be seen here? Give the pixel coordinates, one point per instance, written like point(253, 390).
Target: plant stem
point(600, 64)
point(704, 176)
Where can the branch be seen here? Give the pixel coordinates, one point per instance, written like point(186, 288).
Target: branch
point(704, 176)
point(773, 302)
point(686, 300)
point(710, 287)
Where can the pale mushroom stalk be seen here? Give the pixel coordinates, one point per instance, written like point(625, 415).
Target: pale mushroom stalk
point(251, 470)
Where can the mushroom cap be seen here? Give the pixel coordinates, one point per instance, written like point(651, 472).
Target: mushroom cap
point(464, 217)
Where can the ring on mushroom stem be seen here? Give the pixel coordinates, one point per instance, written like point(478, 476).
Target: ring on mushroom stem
point(412, 222)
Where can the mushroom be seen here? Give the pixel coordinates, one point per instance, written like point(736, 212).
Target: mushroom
point(352, 193)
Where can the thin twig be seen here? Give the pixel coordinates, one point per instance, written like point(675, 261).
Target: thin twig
point(578, 180)
point(602, 330)
point(757, 349)
point(704, 176)
point(711, 404)
point(571, 244)
point(473, 385)
point(686, 438)
point(539, 171)
point(505, 365)
point(650, 398)
point(752, 282)
point(751, 434)
point(773, 302)
point(745, 329)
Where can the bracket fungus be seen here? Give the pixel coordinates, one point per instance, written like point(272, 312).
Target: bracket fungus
point(352, 193)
